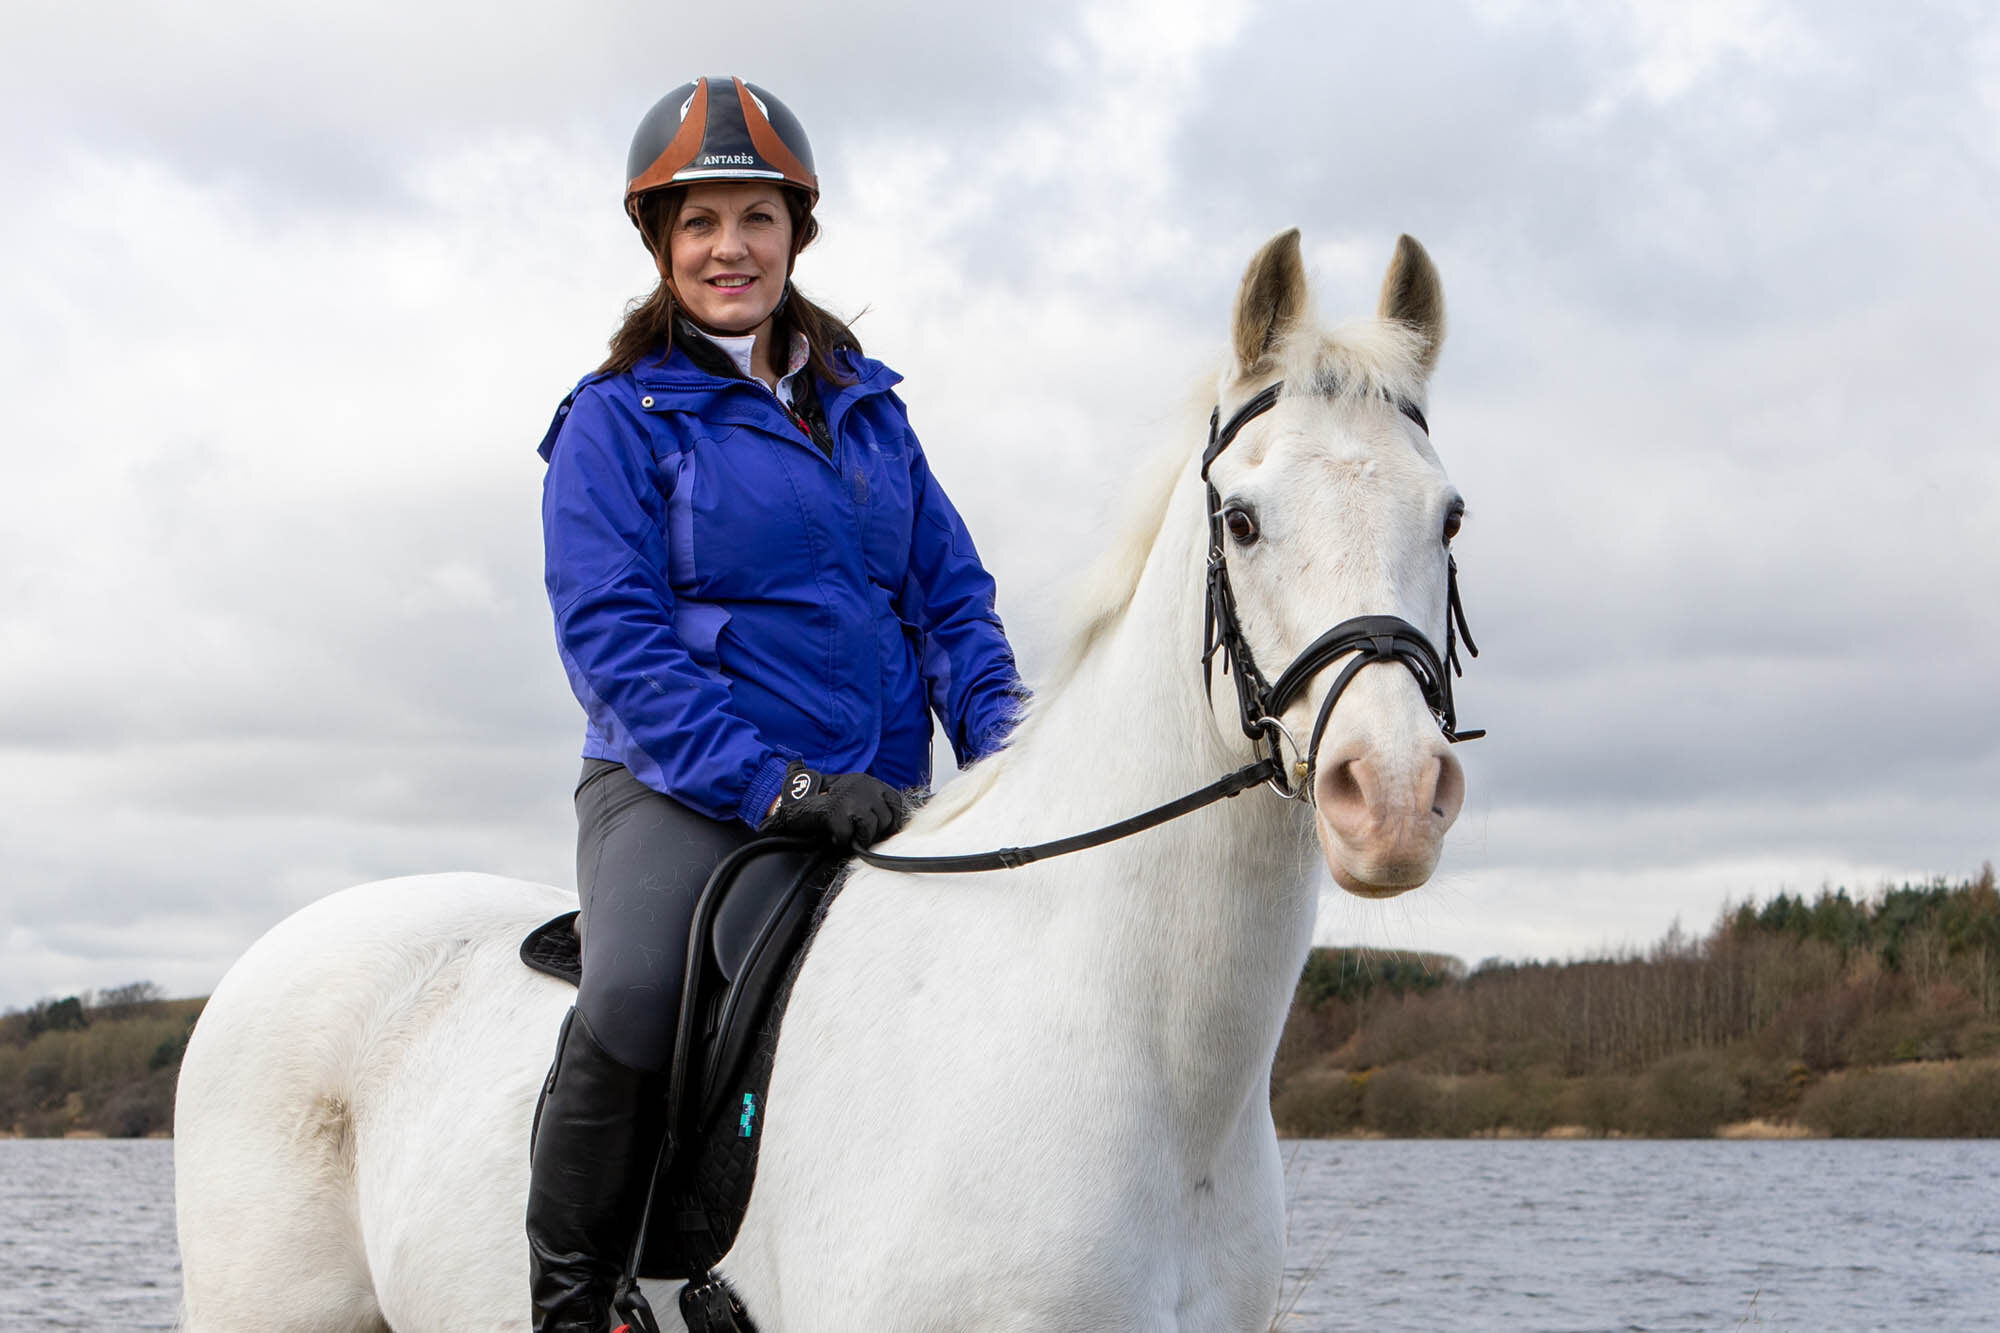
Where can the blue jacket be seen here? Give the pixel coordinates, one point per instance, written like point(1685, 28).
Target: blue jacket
point(729, 598)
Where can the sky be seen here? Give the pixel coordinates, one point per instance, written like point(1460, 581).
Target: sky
point(292, 291)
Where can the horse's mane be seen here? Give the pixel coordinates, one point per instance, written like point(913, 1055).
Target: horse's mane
point(1364, 358)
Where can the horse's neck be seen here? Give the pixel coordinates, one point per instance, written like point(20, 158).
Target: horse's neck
point(1197, 927)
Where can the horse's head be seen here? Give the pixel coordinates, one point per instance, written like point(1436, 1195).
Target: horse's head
point(1334, 506)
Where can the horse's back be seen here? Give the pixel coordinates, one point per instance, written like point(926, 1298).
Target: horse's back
point(375, 1046)
point(324, 995)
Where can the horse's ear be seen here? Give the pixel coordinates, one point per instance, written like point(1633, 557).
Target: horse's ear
point(1413, 296)
point(1272, 298)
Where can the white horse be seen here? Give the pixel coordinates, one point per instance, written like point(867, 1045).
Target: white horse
point(1022, 1100)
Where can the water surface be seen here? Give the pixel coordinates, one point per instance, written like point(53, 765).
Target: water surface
point(1644, 1235)
point(87, 1235)
point(1385, 1235)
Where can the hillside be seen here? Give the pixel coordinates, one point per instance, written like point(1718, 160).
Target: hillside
point(1874, 1016)
point(1841, 1015)
point(102, 1063)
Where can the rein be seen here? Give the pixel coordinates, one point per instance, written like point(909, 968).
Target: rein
point(1012, 858)
point(1259, 703)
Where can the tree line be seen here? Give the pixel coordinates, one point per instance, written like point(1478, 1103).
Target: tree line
point(1766, 1015)
point(102, 1062)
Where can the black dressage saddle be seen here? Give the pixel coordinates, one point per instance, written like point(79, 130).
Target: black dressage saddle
point(750, 928)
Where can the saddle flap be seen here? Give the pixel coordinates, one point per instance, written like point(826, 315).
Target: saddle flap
point(761, 887)
point(751, 926)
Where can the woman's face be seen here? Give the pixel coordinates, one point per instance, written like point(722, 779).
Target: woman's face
point(730, 247)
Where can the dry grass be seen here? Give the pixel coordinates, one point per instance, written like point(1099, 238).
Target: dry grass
point(1763, 1129)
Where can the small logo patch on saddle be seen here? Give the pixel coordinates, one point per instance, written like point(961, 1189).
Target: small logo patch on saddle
point(747, 1121)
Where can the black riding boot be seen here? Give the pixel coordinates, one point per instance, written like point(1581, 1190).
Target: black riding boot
point(595, 1143)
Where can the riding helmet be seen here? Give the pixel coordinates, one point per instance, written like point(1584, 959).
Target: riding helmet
point(718, 129)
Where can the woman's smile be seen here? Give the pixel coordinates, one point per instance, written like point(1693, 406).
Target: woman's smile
point(732, 285)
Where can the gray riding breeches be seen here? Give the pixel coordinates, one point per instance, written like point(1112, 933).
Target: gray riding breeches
point(641, 861)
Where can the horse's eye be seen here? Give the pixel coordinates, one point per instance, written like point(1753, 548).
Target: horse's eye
point(1242, 527)
point(1452, 519)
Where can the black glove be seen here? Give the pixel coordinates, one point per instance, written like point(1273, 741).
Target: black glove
point(845, 809)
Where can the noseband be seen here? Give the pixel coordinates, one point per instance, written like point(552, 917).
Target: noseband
point(1370, 639)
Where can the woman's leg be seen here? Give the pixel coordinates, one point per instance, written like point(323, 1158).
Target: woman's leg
point(642, 860)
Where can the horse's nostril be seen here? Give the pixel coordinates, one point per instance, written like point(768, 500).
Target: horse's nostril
point(1451, 791)
point(1343, 786)
point(1448, 794)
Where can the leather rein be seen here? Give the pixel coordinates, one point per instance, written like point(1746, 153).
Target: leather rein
point(1260, 703)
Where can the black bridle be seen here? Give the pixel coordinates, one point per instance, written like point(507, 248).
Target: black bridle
point(1371, 639)
point(1260, 703)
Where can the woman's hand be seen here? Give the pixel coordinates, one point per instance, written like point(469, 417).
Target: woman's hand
point(845, 809)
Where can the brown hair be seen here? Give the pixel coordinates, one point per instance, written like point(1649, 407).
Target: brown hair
point(649, 321)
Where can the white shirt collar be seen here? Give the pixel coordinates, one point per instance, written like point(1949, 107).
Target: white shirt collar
point(742, 346)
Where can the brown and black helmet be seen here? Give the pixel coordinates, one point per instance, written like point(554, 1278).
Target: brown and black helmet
point(718, 129)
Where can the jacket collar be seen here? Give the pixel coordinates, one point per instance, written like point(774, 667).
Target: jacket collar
point(723, 395)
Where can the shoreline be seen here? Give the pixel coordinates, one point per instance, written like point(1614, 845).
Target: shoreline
point(1761, 1131)
point(1757, 1131)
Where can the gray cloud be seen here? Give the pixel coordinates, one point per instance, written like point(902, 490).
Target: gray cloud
point(1714, 389)
point(304, 290)
point(1543, 139)
point(322, 107)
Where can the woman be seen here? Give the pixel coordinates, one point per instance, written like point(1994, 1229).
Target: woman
point(760, 596)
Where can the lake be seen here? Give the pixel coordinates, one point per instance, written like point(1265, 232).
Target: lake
point(1386, 1235)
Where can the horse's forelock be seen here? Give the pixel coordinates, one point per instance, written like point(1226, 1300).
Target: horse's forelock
point(1363, 358)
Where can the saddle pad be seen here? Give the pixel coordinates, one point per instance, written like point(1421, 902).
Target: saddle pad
point(553, 947)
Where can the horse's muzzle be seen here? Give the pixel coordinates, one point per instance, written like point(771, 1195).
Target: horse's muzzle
point(1382, 816)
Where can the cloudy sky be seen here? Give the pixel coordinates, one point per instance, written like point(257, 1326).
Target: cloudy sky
point(290, 292)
